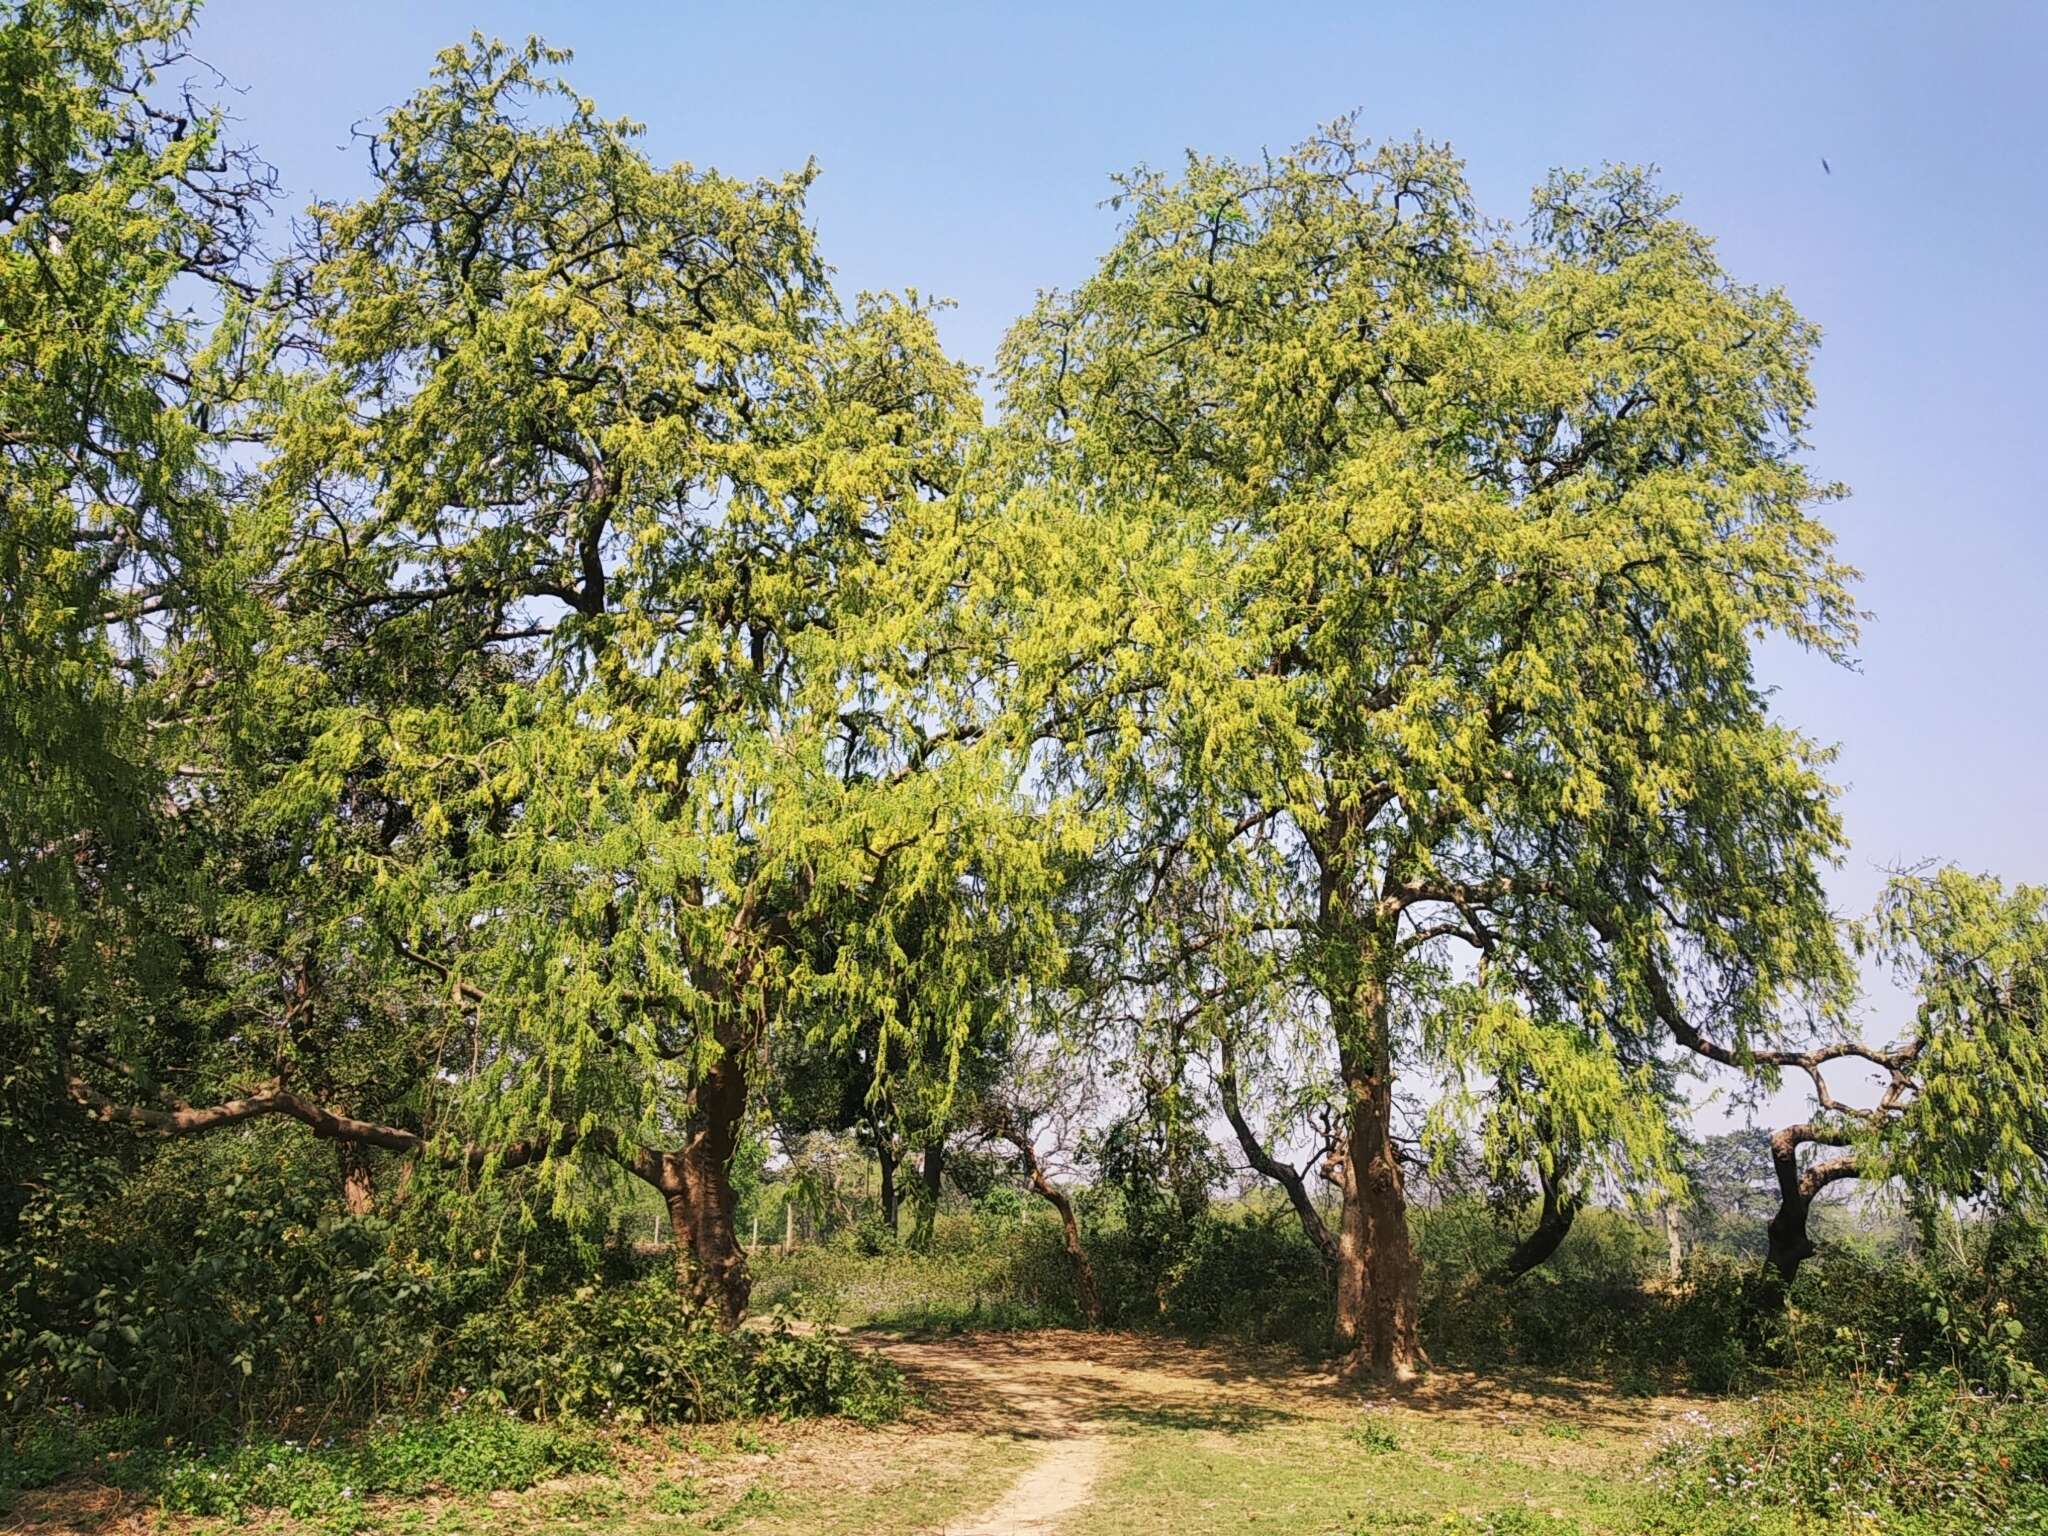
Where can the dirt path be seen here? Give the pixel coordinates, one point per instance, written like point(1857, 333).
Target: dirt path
point(1025, 1398)
point(1067, 1392)
point(1087, 1401)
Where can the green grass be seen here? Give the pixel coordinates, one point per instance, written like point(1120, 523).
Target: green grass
point(419, 1480)
point(1316, 1475)
point(1196, 1443)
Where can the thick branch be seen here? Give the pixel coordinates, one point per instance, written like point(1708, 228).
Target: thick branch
point(1286, 1175)
point(325, 1123)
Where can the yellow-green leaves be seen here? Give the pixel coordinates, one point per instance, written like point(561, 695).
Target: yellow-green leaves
point(1440, 555)
point(634, 564)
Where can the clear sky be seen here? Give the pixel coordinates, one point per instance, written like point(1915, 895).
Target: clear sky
point(965, 152)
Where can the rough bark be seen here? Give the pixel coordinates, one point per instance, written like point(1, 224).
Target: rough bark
point(1377, 1278)
point(933, 1172)
point(696, 1184)
point(1085, 1289)
point(358, 1191)
point(1286, 1175)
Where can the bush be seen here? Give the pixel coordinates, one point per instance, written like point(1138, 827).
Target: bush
point(637, 1353)
point(971, 1272)
point(230, 1287)
point(1929, 1459)
point(1258, 1280)
point(1980, 1312)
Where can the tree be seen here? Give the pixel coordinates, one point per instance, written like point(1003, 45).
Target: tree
point(1408, 578)
point(1961, 1105)
point(1044, 1094)
point(126, 225)
point(614, 585)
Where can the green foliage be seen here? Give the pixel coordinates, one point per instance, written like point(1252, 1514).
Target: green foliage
point(546, 677)
point(1375, 1439)
point(1928, 1460)
point(632, 1352)
point(1976, 1309)
point(1399, 587)
point(241, 1291)
point(1581, 1310)
point(1257, 1280)
point(973, 1272)
point(466, 1452)
point(668, 1497)
point(1977, 955)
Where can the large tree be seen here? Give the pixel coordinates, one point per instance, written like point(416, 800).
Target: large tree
point(126, 227)
point(616, 588)
point(1409, 577)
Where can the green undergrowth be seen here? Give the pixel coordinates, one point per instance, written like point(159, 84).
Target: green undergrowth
point(1932, 1460)
point(465, 1452)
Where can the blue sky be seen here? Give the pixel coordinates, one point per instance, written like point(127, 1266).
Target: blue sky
point(966, 149)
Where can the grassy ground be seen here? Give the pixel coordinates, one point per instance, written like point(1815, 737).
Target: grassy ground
point(1397, 1468)
point(825, 1477)
point(1085, 1435)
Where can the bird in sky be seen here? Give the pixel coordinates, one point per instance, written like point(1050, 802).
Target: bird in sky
point(1825, 166)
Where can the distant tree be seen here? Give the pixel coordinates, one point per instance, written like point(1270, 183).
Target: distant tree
point(1406, 579)
point(1734, 1189)
point(1961, 1106)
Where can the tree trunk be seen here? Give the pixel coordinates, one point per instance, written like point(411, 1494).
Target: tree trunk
point(1789, 1244)
point(1286, 1175)
point(696, 1184)
point(1085, 1290)
point(357, 1189)
point(1378, 1281)
point(1552, 1225)
point(930, 1177)
point(1674, 1239)
point(885, 1155)
point(789, 1223)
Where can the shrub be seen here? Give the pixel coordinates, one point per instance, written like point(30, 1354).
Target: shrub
point(969, 1272)
point(1928, 1459)
point(636, 1352)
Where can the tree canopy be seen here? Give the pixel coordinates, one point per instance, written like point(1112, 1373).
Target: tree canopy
point(528, 683)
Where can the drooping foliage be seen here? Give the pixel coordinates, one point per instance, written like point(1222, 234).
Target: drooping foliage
point(1419, 573)
point(526, 684)
point(126, 223)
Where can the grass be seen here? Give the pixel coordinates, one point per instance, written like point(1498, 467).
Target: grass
point(1193, 1440)
point(1387, 1469)
point(832, 1479)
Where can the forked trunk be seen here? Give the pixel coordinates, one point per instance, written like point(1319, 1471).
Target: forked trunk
point(1790, 1243)
point(1377, 1277)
